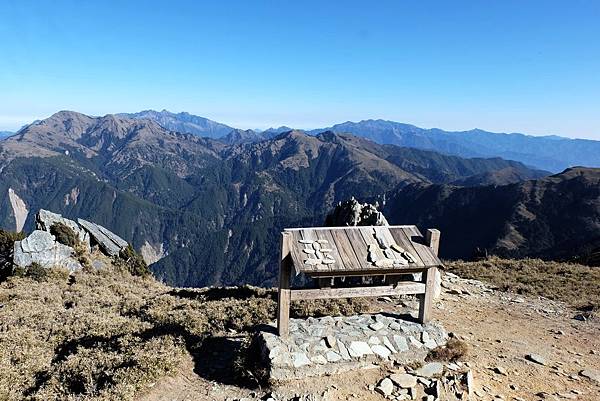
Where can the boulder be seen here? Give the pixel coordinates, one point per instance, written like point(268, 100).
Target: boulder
point(45, 219)
point(353, 213)
point(41, 247)
point(109, 242)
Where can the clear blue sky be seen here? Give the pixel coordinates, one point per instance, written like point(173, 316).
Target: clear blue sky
point(528, 66)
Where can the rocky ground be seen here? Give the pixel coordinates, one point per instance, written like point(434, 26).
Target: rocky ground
point(520, 348)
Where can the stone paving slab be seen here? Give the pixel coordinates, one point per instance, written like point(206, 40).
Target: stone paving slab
point(329, 345)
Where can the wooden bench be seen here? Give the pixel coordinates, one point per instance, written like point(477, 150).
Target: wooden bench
point(324, 253)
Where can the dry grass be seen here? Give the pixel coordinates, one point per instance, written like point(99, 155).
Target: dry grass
point(574, 284)
point(105, 334)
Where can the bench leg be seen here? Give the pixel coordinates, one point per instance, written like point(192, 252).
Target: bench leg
point(284, 293)
point(426, 300)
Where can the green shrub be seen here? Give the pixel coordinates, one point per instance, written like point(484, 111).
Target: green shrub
point(7, 244)
point(131, 261)
point(34, 271)
point(64, 234)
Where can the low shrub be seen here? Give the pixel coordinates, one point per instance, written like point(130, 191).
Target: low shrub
point(132, 262)
point(7, 244)
point(64, 234)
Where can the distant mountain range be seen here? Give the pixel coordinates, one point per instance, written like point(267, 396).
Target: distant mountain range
point(183, 122)
point(4, 134)
point(205, 211)
point(552, 153)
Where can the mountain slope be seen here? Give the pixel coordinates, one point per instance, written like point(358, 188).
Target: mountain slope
point(204, 211)
point(549, 153)
point(183, 122)
point(552, 217)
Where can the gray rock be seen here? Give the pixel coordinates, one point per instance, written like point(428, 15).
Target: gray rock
point(374, 340)
point(431, 369)
point(385, 387)
point(331, 341)
point(300, 359)
point(470, 382)
point(591, 374)
point(41, 247)
point(359, 348)
point(414, 342)
point(536, 358)
point(401, 343)
point(333, 356)
point(501, 371)
point(352, 213)
point(45, 219)
point(319, 359)
point(343, 351)
point(376, 326)
point(108, 241)
point(388, 344)
point(404, 380)
point(381, 351)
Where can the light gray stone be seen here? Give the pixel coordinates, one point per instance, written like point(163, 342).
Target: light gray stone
point(591, 374)
point(331, 341)
point(404, 380)
point(359, 348)
point(381, 351)
point(385, 387)
point(376, 326)
point(430, 369)
point(414, 342)
point(536, 358)
point(388, 344)
point(401, 343)
point(300, 359)
point(41, 247)
point(333, 356)
point(470, 382)
point(319, 359)
point(343, 351)
point(374, 340)
point(45, 219)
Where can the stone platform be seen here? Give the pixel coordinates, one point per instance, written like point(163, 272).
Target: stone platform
point(329, 345)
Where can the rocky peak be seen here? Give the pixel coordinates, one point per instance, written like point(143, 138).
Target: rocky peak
point(353, 213)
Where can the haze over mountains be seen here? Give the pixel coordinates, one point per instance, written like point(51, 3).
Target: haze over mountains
point(552, 153)
point(209, 211)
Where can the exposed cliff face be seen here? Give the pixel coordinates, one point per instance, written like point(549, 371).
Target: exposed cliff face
point(19, 209)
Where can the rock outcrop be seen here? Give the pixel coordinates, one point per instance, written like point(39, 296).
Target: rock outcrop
point(353, 213)
point(108, 241)
point(42, 247)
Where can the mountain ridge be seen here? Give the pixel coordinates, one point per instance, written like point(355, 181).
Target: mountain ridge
point(548, 152)
point(196, 200)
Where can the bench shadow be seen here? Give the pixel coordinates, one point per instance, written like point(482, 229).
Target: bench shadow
point(218, 293)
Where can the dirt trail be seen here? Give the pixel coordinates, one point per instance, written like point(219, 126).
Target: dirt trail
point(501, 329)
